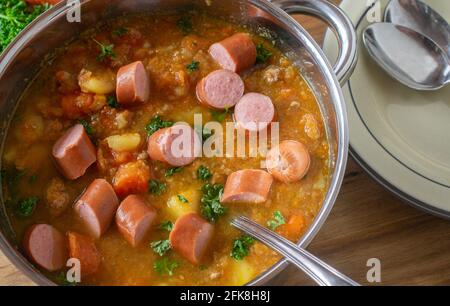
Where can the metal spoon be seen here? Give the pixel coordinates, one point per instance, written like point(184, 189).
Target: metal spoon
point(408, 56)
point(416, 15)
point(319, 271)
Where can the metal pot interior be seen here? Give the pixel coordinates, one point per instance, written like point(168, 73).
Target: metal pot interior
point(36, 45)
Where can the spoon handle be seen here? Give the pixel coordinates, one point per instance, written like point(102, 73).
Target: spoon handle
point(319, 271)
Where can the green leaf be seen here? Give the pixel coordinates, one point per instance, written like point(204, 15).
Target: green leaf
point(241, 247)
point(165, 266)
point(182, 199)
point(262, 54)
point(121, 31)
point(185, 25)
point(155, 124)
point(156, 187)
point(203, 173)
point(212, 209)
point(161, 247)
point(277, 220)
point(112, 102)
point(194, 66)
point(170, 172)
point(220, 116)
point(87, 126)
point(25, 208)
point(166, 226)
point(106, 51)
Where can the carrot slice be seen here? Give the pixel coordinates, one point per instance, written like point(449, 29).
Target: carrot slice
point(293, 228)
point(132, 178)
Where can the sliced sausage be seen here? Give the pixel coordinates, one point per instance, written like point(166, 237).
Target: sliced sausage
point(83, 248)
point(289, 161)
point(251, 186)
point(254, 112)
point(134, 219)
point(74, 152)
point(177, 146)
point(235, 53)
point(191, 236)
point(133, 84)
point(97, 206)
point(46, 247)
point(220, 89)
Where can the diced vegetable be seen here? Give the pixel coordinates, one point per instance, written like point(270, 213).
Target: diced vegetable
point(177, 206)
point(241, 247)
point(241, 272)
point(294, 227)
point(132, 178)
point(102, 83)
point(125, 142)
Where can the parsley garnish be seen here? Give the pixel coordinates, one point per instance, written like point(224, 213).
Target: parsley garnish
point(166, 226)
point(161, 247)
point(241, 247)
point(212, 209)
point(220, 116)
point(87, 126)
point(105, 51)
point(165, 266)
point(262, 54)
point(120, 31)
point(277, 220)
point(185, 25)
point(25, 208)
point(156, 187)
point(170, 172)
point(203, 173)
point(182, 199)
point(155, 124)
point(194, 66)
point(112, 102)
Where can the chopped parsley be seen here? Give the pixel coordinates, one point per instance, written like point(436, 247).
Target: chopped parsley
point(206, 134)
point(87, 126)
point(241, 247)
point(220, 116)
point(185, 25)
point(121, 31)
point(194, 66)
point(165, 266)
point(203, 173)
point(170, 172)
point(25, 208)
point(106, 51)
point(161, 247)
point(262, 54)
point(277, 220)
point(156, 187)
point(166, 226)
point(112, 102)
point(156, 123)
point(182, 199)
point(212, 209)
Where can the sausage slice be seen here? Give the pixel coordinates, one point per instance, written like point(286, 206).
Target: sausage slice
point(235, 53)
point(254, 112)
point(74, 152)
point(252, 186)
point(97, 206)
point(289, 161)
point(134, 219)
point(177, 146)
point(46, 247)
point(220, 89)
point(191, 236)
point(133, 84)
point(83, 248)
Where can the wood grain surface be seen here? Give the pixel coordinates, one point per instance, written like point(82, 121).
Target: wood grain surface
point(367, 222)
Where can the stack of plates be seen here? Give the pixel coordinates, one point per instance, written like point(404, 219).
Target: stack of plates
point(399, 136)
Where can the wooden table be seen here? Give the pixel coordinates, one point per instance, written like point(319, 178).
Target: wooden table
point(367, 222)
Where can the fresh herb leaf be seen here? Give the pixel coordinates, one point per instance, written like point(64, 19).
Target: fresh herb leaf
point(194, 66)
point(121, 31)
point(112, 102)
point(185, 25)
point(220, 116)
point(15, 15)
point(161, 247)
point(106, 51)
point(203, 173)
point(212, 209)
point(277, 220)
point(87, 126)
point(241, 247)
point(262, 54)
point(165, 266)
point(25, 208)
point(206, 134)
point(156, 187)
point(167, 226)
point(182, 199)
point(155, 124)
point(170, 172)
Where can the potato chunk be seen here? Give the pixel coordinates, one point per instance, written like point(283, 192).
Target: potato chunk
point(177, 205)
point(241, 272)
point(99, 83)
point(125, 142)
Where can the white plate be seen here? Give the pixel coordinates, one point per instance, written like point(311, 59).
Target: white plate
point(400, 136)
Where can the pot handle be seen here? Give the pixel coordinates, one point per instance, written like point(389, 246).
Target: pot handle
point(341, 25)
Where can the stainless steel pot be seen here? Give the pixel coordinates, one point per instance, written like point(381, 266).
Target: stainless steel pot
point(23, 58)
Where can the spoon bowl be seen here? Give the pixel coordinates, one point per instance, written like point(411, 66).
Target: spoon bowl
point(408, 56)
